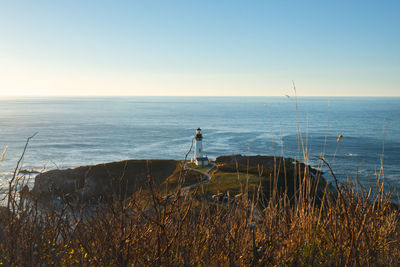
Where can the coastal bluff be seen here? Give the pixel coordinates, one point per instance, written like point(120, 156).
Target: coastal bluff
point(119, 180)
point(102, 181)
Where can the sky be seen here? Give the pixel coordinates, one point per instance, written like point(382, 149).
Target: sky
point(199, 48)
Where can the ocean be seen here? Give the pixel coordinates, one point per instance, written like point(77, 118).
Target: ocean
point(79, 131)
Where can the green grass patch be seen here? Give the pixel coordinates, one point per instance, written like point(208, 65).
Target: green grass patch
point(233, 182)
point(200, 168)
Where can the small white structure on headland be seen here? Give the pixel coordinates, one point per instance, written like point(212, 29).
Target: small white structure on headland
point(199, 158)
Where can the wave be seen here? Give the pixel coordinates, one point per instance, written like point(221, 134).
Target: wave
point(351, 154)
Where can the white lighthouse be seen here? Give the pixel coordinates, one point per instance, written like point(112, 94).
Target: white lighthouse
point(199, 158)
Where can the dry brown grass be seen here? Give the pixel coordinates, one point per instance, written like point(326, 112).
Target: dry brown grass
point(354, 227)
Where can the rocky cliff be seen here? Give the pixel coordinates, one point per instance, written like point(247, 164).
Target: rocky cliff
point(102, 181)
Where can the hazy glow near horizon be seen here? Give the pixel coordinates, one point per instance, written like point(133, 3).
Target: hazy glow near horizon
point(337, 48)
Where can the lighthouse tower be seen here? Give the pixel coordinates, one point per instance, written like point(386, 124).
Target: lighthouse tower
point(199, 158)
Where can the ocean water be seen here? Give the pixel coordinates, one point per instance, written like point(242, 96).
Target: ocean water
point(80, 131)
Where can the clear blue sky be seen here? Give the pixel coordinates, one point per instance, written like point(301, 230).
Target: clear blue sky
point(329, 48)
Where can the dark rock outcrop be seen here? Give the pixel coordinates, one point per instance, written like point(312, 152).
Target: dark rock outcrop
point(101, 182)
point(267, 161)
point(252, 163)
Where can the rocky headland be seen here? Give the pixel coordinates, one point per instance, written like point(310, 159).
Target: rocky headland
point(112, 180)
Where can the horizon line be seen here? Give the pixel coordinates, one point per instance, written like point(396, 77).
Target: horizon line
point(207, 96)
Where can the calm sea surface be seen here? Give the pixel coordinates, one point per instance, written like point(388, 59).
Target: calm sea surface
point(81, 131)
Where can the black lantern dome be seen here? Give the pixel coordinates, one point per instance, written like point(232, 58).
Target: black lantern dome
point(198, 135)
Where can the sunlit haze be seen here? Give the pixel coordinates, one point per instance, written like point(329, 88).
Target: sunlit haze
point(206, 48)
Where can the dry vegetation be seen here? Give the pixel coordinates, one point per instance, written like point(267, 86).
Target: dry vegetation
point(351, 227)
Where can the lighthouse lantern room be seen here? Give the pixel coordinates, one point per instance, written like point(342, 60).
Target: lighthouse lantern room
point(199, 157)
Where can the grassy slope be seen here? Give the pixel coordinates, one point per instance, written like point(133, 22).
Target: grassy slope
point(188, 178)
point(256, 174)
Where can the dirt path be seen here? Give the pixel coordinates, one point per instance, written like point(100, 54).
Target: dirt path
point(206, 174)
